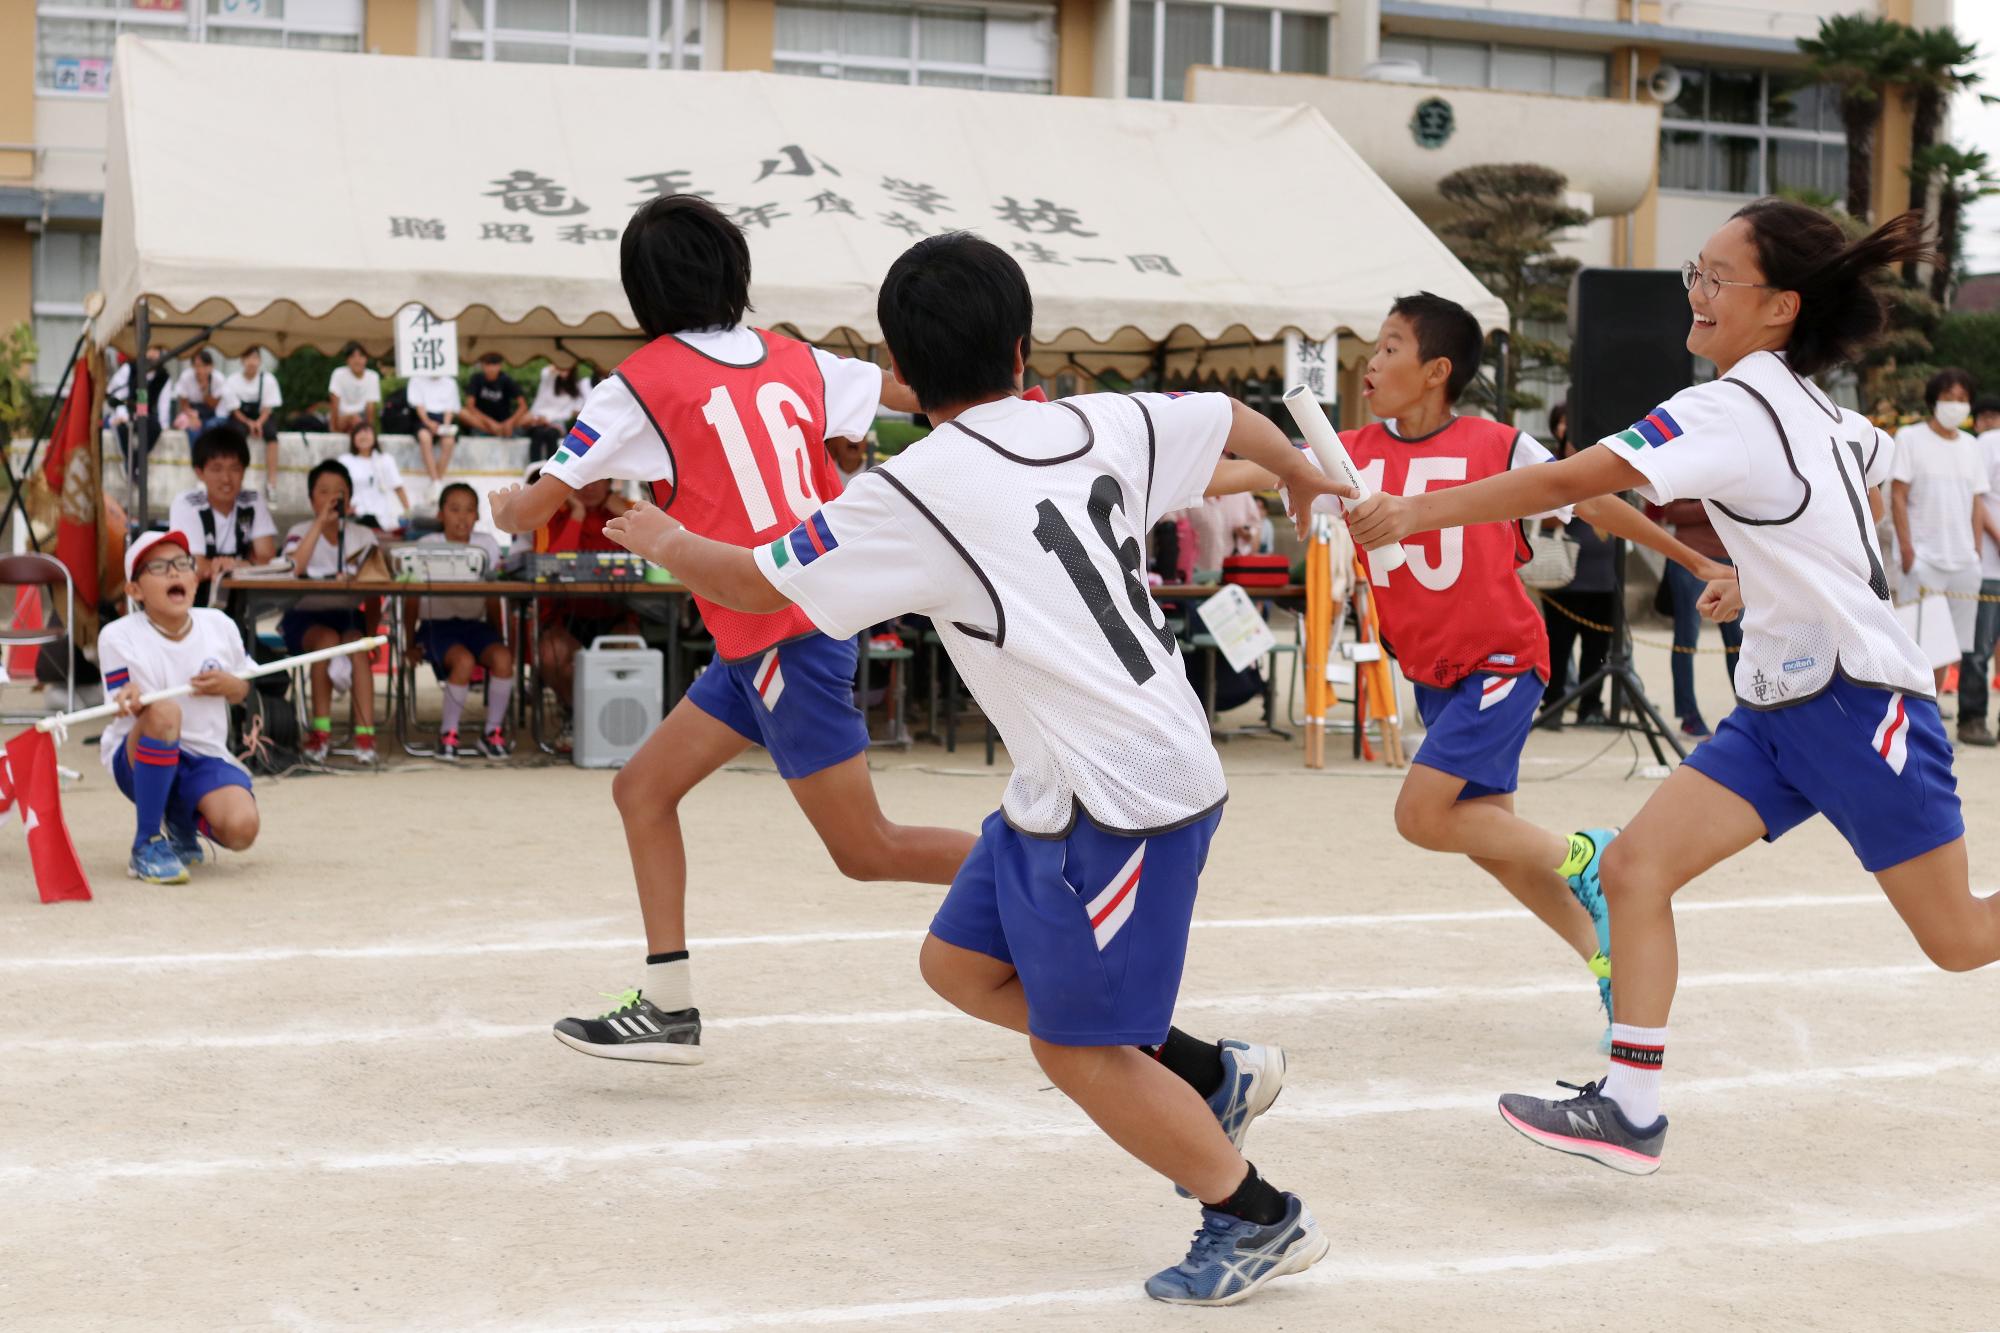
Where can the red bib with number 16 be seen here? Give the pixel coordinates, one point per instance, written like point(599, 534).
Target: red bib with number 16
point(749, 458)
point(1456, 606)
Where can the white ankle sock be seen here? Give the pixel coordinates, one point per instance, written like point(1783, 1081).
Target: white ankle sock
point(669, 984)
point(499, 691)
point(1634, 1081)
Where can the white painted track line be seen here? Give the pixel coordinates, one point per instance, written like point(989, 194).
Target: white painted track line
point(554, 943)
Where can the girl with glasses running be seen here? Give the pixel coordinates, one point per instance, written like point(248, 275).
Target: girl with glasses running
point(1837, 711)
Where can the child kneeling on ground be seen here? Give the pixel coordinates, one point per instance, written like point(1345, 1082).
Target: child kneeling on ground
point(460, 633)
point(171, 758)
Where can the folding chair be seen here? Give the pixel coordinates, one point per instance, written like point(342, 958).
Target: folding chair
point(34, 570)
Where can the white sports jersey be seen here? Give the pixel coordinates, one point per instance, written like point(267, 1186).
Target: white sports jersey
point(131, 651)
point(1019, 529)
point(1784, 476)
point(216, 534)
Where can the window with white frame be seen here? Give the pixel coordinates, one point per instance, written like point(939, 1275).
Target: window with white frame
point(1752, 132)
point(1519, 69)
point(637, 34)
point(65, 272)
point(74, 38)
point(1168, 37)
point(997, 48)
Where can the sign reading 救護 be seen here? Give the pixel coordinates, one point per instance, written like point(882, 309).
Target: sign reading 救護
point(425, 344)
point(1310, 362)
point(1433, 123)
point(787, 187)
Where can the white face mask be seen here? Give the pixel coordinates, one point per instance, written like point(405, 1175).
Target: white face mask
point(1952, 415)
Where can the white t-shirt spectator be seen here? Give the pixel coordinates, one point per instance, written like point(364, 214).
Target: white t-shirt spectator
point(188, 390)
point(357, 540)
point(186, 513)
point(351, 393)
point(558, 408)
point(376, 479)
point(1989, 454)
point(1943, 476)
point(249, 398)
point(460, 608)
point(131, 651)
point(435, 394)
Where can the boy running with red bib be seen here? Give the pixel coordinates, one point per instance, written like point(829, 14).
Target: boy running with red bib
point(728, 423)
point(1466, 632)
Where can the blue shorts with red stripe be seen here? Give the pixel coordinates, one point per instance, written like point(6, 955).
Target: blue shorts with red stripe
point(195, 776)
point(1477, 729)
point(1094, 923)
point(1876, 763)
point(796, 700)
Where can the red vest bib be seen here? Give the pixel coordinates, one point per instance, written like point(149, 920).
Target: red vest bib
point(1456, 606)
point(749, 456)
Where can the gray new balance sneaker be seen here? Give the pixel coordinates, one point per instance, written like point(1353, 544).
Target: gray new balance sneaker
point(1589, 1125)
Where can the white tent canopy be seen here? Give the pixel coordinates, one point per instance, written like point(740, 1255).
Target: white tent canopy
point(496, 193)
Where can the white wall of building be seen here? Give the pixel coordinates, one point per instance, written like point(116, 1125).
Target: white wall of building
point(1686, 221)
point(72, 131)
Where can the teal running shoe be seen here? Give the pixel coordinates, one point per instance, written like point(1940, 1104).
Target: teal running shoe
point(1232, 1257)
point(1580, 868)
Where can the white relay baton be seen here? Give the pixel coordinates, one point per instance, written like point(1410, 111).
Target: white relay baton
point(1325, 443)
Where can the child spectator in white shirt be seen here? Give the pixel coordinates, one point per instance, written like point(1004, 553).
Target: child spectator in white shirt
point(461, 633)
point(379, 497)
point(254, 399)
point(329, 546)
point(201, 394)
point(171, 759)
point(434, 398)
point(226, 525)
point(355, 391)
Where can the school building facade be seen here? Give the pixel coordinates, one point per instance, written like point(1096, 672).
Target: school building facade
point(1737, 118)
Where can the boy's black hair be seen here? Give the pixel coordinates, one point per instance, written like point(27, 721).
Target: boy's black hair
point(954, 310)
point(492, 359)
point(1951, 377)
point(224, 439)
point(1444, 329)
point(351, 348)
point(684, 266)
point(1981, 406)
point(322, 468)
point(204, 358)
point(446, 494)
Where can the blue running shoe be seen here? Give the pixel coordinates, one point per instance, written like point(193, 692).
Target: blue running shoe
point(1580, 868)
point(154, 862)
point(186, 842)
point(1588, 1125)
point(1231, 1257)
point(1252, 1078)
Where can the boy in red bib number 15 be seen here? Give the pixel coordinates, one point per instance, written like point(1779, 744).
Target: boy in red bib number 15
point(1466, 632)
point(728, 424)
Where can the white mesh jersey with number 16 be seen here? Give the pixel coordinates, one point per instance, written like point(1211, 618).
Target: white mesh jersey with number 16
point(1020, 528)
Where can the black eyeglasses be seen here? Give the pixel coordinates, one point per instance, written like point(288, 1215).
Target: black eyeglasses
point(180, 564)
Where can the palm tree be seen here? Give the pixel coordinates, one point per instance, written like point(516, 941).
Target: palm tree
point(1857, 54)
point(1939, 64)
point(1962, 176)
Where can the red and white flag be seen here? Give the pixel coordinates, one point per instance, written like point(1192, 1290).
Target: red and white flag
point(30, 785)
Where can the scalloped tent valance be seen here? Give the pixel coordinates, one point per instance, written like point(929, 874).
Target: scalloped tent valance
point(1187, 236)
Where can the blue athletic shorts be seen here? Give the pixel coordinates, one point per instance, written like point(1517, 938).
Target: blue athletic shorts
point(1476, 730)
point(439, 637)
point(196, 777)
point(1095, 924)
point(797, 701)
point(293, 625)
point(1875, 763)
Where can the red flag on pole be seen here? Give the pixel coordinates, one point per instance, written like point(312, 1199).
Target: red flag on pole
point(30, 786)
point(71, 474)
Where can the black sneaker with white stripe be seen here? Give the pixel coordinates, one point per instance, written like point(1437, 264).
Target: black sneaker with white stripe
point(636, 1030)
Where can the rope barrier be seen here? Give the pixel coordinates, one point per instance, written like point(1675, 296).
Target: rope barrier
point(1650, 643)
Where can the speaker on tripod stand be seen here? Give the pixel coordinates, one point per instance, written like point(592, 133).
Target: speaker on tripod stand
point(1628, 354)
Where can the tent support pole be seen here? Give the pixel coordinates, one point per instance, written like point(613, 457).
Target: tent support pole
point(142, 420)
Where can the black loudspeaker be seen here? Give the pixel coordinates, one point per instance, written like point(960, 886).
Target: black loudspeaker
point(1628, 347)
